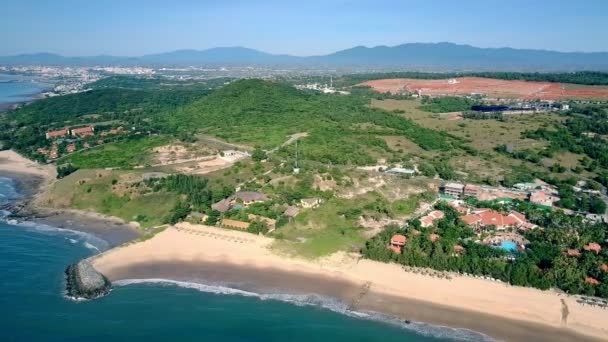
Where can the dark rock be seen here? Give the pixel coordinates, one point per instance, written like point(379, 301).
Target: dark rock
point(83, 281)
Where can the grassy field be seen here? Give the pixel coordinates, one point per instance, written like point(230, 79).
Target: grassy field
point(482, 135)
point(321, 231)
point(125, 154)
point(111, 193)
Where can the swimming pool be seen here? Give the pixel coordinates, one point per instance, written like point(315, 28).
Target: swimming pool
point(508, 246)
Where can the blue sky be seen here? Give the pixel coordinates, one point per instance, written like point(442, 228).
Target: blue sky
point(310, 27)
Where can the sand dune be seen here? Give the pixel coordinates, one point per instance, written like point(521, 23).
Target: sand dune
point(195, 252)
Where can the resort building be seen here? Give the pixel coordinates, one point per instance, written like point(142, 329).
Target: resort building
point(453, 189)
point(227, 223)
point(458, 205)
point(57, 134)
point(310, 202)
point(427, 221)
point(482, 218)
point(471, 190)
point(397, 243)
point(241, 198)
point(83, 131)
point(542, 198)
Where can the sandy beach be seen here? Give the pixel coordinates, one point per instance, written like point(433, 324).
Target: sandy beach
point(30, 176)
point(213, 255)
point(33, 179)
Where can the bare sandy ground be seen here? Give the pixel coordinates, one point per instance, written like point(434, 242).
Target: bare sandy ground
point(11, 161)
point(195, 252)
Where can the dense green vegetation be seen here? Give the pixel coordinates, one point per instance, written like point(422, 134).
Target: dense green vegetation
point(446, 104)
point(543, 264)
point(342, 129)
point(124, 154)
point(581, 77)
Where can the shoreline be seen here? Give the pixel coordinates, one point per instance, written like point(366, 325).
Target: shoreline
point(209, 255)
point(32, 180)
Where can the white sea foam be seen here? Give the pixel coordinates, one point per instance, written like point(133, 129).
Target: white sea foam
point(325, 302)
point(89, 241)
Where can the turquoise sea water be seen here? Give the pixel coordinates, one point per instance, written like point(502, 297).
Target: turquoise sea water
point(33, 306)
point(17, 89)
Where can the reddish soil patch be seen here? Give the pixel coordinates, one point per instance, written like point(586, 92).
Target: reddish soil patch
point(488, 86)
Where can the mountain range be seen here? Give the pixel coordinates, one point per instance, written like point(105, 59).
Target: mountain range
point(428, 56)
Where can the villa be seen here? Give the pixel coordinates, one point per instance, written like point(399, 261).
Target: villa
point(593, 247)
point(458, 249)
point(241, 198)
point(427, 221)
point(592, 281)
point(397, 243)
point(573, 252)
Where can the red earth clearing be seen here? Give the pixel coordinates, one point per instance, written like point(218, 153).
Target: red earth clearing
point(490, 87)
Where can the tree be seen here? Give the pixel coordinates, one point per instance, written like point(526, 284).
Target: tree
point(213, 217)
point(258, 154)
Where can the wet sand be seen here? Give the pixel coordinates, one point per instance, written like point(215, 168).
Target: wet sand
point(276, 281)
point(240, 260)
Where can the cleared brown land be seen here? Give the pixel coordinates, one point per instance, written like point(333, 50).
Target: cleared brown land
point(490, 87)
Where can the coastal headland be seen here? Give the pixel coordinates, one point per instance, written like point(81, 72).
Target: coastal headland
point(210, 255)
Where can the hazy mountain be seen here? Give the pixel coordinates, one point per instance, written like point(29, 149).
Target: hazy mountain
point(441, 56)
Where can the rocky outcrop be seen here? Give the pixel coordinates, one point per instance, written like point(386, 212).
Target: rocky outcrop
point(83, 281)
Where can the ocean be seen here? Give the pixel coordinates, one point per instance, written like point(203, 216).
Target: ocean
point(14, 89)
point(33, 306)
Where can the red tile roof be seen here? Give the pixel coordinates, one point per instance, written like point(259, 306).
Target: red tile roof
point(398, 240)
point(82, 130)
point(434, 237)
point(56, 134)
point(604, 267)
point(458, 248)
point(573, 252)
point(593, 247)
point(487, 217)
point(592, 281)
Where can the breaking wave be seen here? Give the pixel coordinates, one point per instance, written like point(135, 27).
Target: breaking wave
point(325, 302)
point(89, 241)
